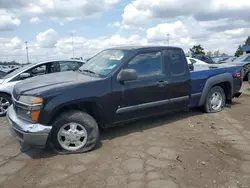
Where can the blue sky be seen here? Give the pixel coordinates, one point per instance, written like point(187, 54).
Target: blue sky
point(215, 24)
point(89, 27)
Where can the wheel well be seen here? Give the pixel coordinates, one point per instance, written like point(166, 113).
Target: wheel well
point(227, 89)
point(88, 107)
point(6, 94)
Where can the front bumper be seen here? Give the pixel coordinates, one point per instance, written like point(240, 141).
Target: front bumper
point(32, 134)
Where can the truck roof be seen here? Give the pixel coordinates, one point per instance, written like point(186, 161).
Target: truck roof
point(144, 47)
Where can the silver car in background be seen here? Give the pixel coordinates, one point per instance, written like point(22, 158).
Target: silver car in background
point(244, 61)
point(8, 82)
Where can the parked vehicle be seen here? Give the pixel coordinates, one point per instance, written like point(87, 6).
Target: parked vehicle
point(4, 72)
point(217, 59)
point(243, 60)
point(35, 69)
point(227, 59)
point(65, 110)
point(192, 61)
point(205, 58)
point(195, 61)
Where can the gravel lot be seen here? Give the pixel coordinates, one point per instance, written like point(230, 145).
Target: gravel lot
point(182, 150)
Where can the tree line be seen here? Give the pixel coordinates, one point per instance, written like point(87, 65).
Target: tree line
point(9, 63)
point(239, 51)
point(199, 50)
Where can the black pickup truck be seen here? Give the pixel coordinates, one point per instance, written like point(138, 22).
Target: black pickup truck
point(65, 110)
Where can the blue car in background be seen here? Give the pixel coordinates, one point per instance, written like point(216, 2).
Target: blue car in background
point(205, 58)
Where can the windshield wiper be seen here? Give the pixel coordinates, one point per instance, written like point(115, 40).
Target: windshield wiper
point(88, 71)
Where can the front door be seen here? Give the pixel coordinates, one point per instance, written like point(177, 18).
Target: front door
point(148, 94)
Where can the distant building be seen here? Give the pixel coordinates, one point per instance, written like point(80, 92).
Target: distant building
point(246, 49)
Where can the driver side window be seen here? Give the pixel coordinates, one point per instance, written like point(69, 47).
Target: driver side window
point(37, 71)
point(147, 64)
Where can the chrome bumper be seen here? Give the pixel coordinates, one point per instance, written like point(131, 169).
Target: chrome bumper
point(28, 133)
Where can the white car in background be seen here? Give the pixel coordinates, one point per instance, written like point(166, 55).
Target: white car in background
point(8, 82)
point(195, 61)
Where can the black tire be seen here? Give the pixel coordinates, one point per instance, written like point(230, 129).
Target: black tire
point(208, 106)
point(7, 98)
point(79, 117)
point(248, 77)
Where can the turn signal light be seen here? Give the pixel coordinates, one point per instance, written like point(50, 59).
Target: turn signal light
point(34, 115)
point(37, 100)
point(236, 74)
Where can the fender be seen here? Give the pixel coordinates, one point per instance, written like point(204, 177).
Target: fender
point(95, 106)
point(54, 107)
point(7, 87)
point(225, 77)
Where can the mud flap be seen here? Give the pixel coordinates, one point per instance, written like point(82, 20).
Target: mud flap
point(237, 95)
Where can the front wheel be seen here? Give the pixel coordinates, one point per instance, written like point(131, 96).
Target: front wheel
point(74, 132)
point(5, 102)
point(248, 77)
point(216, 100)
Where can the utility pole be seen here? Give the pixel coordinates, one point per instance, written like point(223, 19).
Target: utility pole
point(168, 38)
point(27, 51)
point(73, 50)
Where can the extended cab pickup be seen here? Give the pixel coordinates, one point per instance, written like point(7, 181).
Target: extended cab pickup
point(65, 110)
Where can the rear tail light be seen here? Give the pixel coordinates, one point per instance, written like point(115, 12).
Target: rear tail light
point(239, 75)
point(236, 74)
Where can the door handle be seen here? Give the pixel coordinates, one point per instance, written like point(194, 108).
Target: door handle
point(162, 83)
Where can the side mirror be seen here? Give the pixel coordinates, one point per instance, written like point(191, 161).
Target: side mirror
point(127, 75)
point(24, 75)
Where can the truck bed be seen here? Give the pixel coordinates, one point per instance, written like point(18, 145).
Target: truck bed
point(202, 73)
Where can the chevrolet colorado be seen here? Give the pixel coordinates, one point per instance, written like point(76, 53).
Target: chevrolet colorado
point(65, 110)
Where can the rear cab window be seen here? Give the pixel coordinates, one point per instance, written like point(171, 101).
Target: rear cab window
point(176, 62)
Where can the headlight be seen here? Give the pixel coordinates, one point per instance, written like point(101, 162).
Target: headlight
point(28, 107)
point(30, 100)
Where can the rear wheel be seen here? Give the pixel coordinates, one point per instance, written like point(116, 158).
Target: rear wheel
point(74, 132)
point(5, 102)
point(216, 100)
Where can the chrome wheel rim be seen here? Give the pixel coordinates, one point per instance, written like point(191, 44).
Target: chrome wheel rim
point(72, 136)
point(216, 101)
point(4, 105)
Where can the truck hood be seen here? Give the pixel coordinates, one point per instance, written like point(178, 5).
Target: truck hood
point(53, 81)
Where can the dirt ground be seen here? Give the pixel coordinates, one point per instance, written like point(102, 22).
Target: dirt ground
point(182, 150)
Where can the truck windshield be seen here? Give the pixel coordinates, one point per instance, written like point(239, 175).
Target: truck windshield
point(104, 62)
